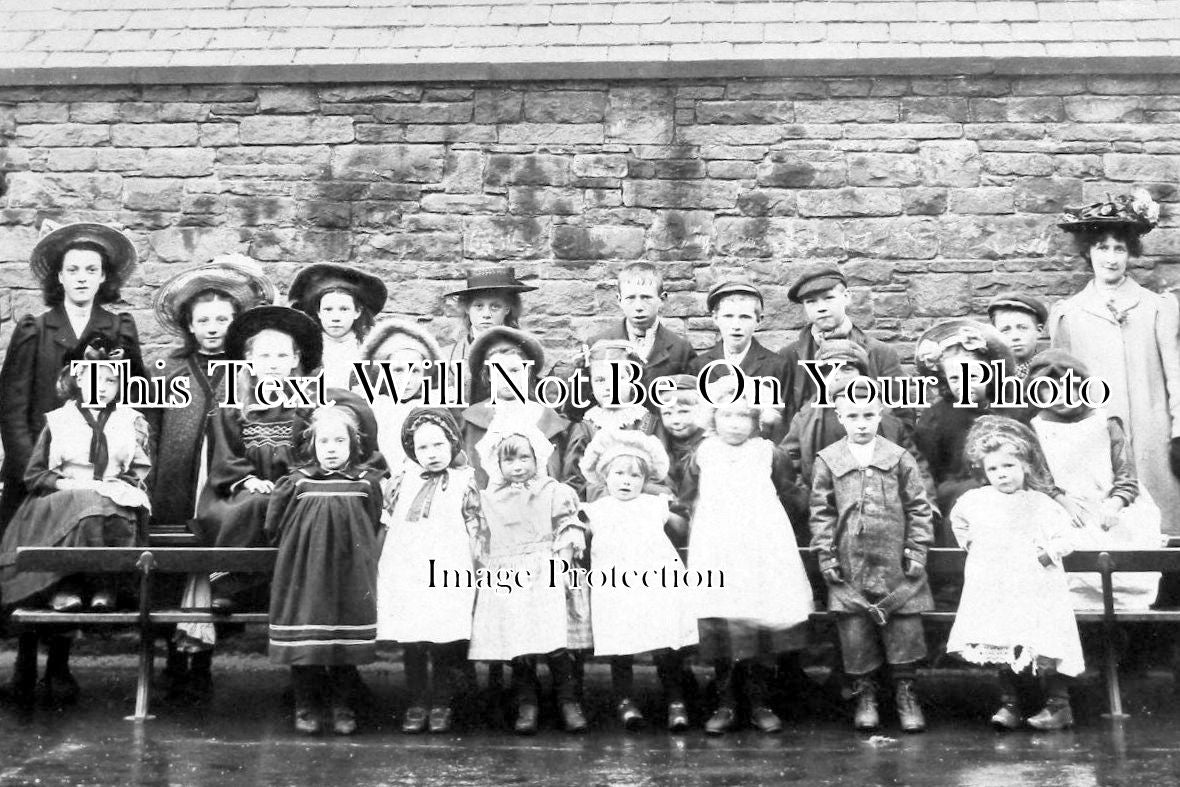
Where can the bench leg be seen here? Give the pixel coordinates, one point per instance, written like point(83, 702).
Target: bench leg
point(1110, 645)
point(24, 673)
point(147, 642)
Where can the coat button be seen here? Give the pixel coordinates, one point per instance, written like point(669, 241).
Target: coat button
point(869, 472)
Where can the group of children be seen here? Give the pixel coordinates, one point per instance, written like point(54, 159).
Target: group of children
point(466, 535)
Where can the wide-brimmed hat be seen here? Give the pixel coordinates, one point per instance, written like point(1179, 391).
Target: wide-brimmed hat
point(1018, 301)
point(492, 277)
point(57, 239)
point(815, 278)
point(441, 418)
point(412, 336)
point(1136, 211)
point(610, 444)
point(500, 336)
point(296, 324)
point(236, 275)
point(310, 284)
point(971, 335)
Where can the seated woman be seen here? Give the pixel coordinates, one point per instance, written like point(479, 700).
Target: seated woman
point(86, 489)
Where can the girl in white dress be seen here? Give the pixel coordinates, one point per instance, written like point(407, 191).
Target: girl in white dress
point(1090, 456)
point(1015, 611)
point(436, 535)
point(738, 486)
point(642, 610)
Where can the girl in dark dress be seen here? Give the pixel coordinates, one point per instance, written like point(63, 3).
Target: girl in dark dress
point(254, 444)
point(80, 267)
point(324, 517)
point(344, 302)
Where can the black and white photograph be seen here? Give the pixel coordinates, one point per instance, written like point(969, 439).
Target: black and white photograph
point(590, 392)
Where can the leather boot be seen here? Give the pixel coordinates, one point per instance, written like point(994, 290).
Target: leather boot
point(1008, 716)
point(1056, 715)
point(866, 717)
point(909, 711)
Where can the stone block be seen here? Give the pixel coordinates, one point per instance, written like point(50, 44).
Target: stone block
point(686, 194)
point(1047, 195)
point(680, 235)
point(745, 112)
point(498, 106)
point(62, 135)
point(393, 162)
point(154, 135)
point(998, 237)
point(177, 163)
point(505, 237)
point(780, 238)
point(950, 163)
point(294, 245)
point(983, 199)
point(430, 113)
point(924, 201)
point(940, 295)
point(644, 115)
point(901, 238)
point(598, 243)
point(152, 194)
point(884, 169)
point(463, 172)
point(850, 202)
point(565, 106)
point(934, 109)
point(853, 110)
point(600, 165)
point(288, 100)
point(295, 130)
point(1026, 109)
point(1024, 164)
point(803, 169)
point(1104, 109)
point(539, 169)
point(193, 244)
point(545, 201)
point(464, 203)
point(77, 191)
point(426, 246)
point(551, 134)
point(1141, 169)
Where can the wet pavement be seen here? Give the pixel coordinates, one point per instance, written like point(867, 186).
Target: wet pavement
point(243, 738)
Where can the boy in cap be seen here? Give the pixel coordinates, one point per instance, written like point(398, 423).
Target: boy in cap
point(823, 291)
point(736, 307)
point(1020, 320)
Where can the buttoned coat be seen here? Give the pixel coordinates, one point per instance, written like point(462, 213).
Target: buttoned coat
point(867, 520)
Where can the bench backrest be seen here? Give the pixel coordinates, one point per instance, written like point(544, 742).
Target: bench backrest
point(171, 560)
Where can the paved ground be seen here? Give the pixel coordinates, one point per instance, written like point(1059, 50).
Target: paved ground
point(243, 738)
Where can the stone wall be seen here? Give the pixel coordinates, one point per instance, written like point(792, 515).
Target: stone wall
point(933, 193)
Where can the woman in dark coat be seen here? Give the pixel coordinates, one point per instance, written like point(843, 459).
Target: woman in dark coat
point(80, 267)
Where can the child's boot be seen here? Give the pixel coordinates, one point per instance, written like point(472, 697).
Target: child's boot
point(757, 691)
point(909, 710)
point(524, 689)
point(1057, 714)
point(1008, 716)
point(307, 682)
point(866, 718)
point(340, 685)
point(724, 718)
point(622, 672)
point(669, 668)
point(564, 672)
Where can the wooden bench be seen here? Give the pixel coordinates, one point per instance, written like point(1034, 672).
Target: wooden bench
point(950, 562)
point(147, 562)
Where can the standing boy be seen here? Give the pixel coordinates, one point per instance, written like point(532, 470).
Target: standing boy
point(871, 526)
point(1020, 320)
point(736, 308)
point(823, 291)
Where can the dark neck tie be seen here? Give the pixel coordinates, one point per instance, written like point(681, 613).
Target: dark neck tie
point(420, 508)
point(99, 455)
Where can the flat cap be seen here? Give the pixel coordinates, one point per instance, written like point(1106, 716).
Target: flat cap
point(731, 287)
point(815, 278)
